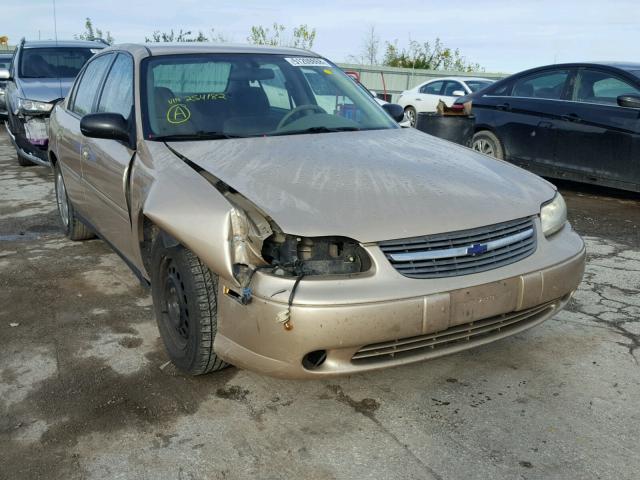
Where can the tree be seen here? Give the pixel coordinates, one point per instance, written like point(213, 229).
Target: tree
point(184, 36)
point(370, 48)
point(303, 37)
point(93, 33)
point(427, 56)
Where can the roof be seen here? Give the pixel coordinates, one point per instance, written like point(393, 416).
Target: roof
point(63, 43)
point(630, 66)
point(203, 47)
point(461, 79)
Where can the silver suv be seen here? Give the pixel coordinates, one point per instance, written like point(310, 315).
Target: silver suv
point(40, 74)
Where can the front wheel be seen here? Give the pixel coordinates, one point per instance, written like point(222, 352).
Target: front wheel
point(486, 142)
point(184, 299)
point(410, 112)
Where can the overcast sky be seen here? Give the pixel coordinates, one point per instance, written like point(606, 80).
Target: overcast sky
point(502, 36)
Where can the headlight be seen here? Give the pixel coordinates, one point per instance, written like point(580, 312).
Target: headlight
point(33, 106)
point(553, 215)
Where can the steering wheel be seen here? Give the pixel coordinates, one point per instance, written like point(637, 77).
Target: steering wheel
point(289, 117)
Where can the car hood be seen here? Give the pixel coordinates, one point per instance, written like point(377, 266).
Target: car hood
point(370, 185)
point(45, 89)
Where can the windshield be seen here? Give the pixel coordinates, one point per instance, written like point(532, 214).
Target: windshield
point(240, 95)
point(476, 85)
point(54, 62)
point(5, 61)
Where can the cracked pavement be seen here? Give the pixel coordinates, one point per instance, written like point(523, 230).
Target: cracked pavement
point(86, 391)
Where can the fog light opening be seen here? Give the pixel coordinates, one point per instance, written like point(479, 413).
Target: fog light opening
point(313, 360)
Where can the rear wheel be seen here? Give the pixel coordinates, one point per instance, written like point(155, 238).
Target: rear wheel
point(486, 142)
point(410, 112)
point(184, 299)
point(74, 229)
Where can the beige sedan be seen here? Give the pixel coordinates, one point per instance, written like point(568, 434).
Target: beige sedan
point(287, 225)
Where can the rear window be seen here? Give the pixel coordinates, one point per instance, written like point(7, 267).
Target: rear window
point(185, 78)
point(476, 85)
point(55, 62)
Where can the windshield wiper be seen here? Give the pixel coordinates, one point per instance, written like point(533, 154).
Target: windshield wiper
point(314, 130)
point(193, 136)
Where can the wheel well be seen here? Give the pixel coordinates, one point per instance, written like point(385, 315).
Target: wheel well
point(149, 233)
point(409, 106)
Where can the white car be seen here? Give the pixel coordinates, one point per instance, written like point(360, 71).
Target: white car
point(425, 97)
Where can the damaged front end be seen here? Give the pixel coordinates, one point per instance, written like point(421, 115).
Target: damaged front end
point(29, 127)
point(256, 242)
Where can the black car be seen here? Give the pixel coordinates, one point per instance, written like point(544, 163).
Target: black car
point(579, 121)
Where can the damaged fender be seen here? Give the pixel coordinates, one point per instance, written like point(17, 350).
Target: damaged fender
point(190, 210)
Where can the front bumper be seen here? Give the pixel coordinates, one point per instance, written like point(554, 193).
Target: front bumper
point(364, 336)
point(36, 153)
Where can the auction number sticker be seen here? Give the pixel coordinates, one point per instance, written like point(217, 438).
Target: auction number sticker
point(307, 62)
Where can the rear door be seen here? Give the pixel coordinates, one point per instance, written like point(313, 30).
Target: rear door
point(524, 115)
point(105, 163)
point(68, 136)
point(597, 138)
point(428, 95)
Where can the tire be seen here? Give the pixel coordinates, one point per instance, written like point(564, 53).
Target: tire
point(486, 142)
point(185, 304)
point(73, 228)
point(411, 114)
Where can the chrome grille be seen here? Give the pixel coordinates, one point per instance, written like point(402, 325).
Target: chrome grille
point(462, 252)
point(444, 339)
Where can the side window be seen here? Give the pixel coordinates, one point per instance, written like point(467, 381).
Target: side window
point(595, 86)
point(549, 85)
point(89, 84)
point(117, 94)
point(432, 88)
point(501, 90)
point(450, 87)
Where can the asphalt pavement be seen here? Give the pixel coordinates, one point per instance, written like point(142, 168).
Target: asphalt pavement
point(86, 391)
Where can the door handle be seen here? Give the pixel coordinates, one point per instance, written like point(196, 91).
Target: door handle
point(571, 117)
point(504, 106)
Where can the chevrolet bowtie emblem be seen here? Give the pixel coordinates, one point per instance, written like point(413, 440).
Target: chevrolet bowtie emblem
point(477, 249)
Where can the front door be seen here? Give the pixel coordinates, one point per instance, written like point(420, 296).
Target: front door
point(597, 138)
point(105, 163)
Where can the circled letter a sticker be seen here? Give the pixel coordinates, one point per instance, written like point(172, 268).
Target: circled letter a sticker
point(178, 114)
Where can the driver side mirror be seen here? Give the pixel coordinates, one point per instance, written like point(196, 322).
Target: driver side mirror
point(4, 74)
point(394, 110)
point(458, 93)
point(112, 126)
point(629, 101)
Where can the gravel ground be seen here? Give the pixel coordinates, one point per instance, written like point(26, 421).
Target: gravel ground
point(86, 393)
